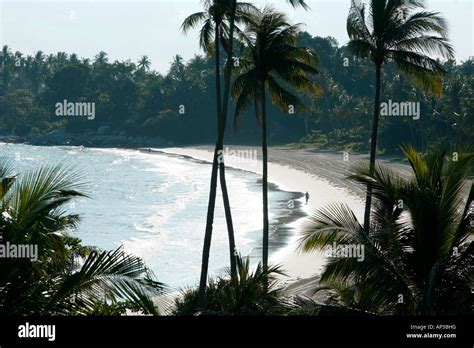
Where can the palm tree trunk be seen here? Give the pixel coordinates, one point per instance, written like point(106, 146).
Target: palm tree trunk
point(427, 300)
point(265, 180)
point(228, 218)
point(225, 106)
point(373, 145)
point(213, 189)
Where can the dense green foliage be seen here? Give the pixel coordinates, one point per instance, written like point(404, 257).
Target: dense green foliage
point(251, 292)
point(418, 251)
point(418, 256)
point(132, 99)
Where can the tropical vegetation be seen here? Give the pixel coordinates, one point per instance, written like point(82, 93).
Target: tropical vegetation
point(63, 277)
point(219, 22)
point(272, 61)
point(253, 291)
point(405, 33)
point(141, 108)
point(416, 233)
point(418, 251)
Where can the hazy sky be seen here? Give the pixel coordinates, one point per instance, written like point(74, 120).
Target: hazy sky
point(129, 29)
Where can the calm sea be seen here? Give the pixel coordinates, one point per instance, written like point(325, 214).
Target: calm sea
point(155, 206)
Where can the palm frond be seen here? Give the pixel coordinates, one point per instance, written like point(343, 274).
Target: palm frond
point(206, 37)
point(283, 98)
point(356, 23)
point(423, 71)
point(112, 275)
point(41, 191)
point(7, 176)
point(296, 3)
point(418, 250)
point(192, 21)
point(244, 92)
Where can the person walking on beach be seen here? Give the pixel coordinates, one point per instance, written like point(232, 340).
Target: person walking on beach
point(306, 195)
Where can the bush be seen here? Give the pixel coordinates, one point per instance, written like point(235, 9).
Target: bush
point(250, 293)
point(187, 303)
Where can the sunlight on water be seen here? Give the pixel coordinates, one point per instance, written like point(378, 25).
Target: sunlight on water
point(154, 205)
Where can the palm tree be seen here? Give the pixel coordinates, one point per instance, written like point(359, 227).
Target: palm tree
point(39, 56)
point(62, 279)
point(6, 58)
point(73, 58)
point(218, 18)
point(144, 63)
point(101, 58)
point(178, 69)
point(253, 291)
point(61, 57)
point(417, 254)
point(405, 33)
point(6, 51)
point(37, 70)
point(271, 57)
point(50, 59)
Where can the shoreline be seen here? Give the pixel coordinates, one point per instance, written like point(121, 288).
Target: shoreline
point(296, 265)
point(294, 171)
point(324, 175)
point(282, 225)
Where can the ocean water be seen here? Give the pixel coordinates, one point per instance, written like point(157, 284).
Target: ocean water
point(155, 206)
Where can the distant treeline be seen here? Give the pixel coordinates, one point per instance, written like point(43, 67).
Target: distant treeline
point(132, 100)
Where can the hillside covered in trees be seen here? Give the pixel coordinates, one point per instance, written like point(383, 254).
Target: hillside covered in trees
point(136, 106)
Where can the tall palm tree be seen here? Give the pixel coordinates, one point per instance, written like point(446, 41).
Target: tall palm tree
point(6, 58)
point(101, 58)
point(59, 282)
point(50, 59)
point(37, 70)
point(401, 31)
point(39, 56)
point(178, 68)
point(271, 57)
point(418, 258)
point(144, 63)
point(218, 24)
point(73, 58)
point(61, 57)
point(6, 51)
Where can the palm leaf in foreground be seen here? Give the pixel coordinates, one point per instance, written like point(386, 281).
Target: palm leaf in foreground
point(418, 254)
point(110, 275)
point(33, 213)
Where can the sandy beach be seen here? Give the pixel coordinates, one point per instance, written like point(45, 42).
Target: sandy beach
point(323, 175)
